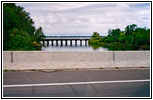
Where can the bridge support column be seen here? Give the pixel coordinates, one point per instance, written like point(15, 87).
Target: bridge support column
point(61, 42)
point(65, 42)
point(80, 42)
point(52, 42)
point(56, 42)
point(47, 43)
point(85, 42)
point(43, 43)
point(70, 42)
point(75, 42)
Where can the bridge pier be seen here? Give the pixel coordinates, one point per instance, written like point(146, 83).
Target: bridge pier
point(61, 42)
point(75, 42)
point(70, 42)
point(80, 42)
point(46, 41)
point(52, 42)
point(43, 43)
point(65, 42)
point(85, 42)
point(56, 42)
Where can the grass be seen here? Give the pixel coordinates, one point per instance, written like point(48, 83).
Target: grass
point(13, 70)
point(76, 69)
point(100, 68)
point(32, 70)
point(5, 70)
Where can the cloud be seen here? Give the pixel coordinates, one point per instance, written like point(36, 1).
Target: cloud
point(87, 17)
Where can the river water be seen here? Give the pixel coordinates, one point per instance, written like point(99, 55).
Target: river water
point(71, 48)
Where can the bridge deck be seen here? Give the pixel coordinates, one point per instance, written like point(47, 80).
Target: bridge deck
point(48, 39)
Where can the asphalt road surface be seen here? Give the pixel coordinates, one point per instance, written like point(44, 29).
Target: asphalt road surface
point(77, 83)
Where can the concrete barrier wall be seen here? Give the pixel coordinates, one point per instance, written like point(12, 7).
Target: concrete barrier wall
point(132, 55)
point(74, 59)
point(132, 58)
point(6, 57)
point(40, 56)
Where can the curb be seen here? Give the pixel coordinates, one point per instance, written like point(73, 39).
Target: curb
point(70, 69)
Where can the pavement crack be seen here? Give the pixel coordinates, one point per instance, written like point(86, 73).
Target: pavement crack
point(93, 87)
point(75, 91)
point(26, 78)
point(53, 77)
point(33, 90)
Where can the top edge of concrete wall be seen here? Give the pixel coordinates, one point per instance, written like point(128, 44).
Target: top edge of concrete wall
point(81, 51)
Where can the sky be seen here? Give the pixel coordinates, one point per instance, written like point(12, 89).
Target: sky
point(84, 18)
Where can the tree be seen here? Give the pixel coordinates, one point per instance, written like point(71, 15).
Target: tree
point(95, 35)
point(115, 33)
point(133, 38)
point(18, 29)
point(39, 35)
point(141, 38)
point(130, 29)
point(95, 40)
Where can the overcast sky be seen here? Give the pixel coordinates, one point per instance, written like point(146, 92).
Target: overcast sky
point(87, 17)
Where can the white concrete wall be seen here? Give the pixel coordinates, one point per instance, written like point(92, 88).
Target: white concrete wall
point(132, 55)
point(74, 59)
point(41, 56)
point(6, 57)
point(132, 58)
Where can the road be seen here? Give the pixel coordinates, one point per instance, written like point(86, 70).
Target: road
point(77, 83)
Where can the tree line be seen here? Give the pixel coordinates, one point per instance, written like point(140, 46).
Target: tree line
point(132, 38)
point(19, 32)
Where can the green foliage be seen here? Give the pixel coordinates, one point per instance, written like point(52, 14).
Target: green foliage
point(19, 32)
point(132, 38)
point(141, 39)
point(96, 36)
point(119, 46)
point(130, 29)
point(95, 39)
point(114, 33)
point(39, 35)
point(5, 70)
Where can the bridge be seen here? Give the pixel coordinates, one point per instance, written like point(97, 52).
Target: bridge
point(66, 39)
